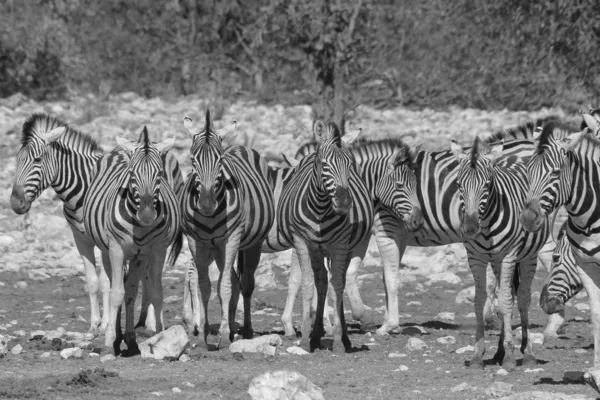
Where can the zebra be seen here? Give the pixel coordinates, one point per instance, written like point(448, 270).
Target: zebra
point(491, 197)
point(131, 214)
point(564, 171)
point(563, 282)
point(227, 208)
point(436, 179)
point(325, 210)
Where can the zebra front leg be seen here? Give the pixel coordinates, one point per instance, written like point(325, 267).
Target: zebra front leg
point(478, 269)
point(293, 288)
point(147, 311)
point(321, 282)
point(490, 310)
point(249, 263)
point(308, 283)
point(526, 270)
point(356, 304)
point(339, 265)
point(154, 287)
point(198, 278)
point(86, 251)
point(590, 278)
point(137, 269)
point(505, 305)
point(115, 262)
point(555, 321)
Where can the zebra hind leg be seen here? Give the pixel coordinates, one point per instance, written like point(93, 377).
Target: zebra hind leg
point(321, 282)
point(339, 265)
point(526, 270)
point(478, 269)
point(293, 287)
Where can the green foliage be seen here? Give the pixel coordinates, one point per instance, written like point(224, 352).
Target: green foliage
point(334, 54)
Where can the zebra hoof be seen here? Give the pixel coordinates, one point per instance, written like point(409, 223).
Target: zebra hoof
point(476, 363)
point(338, 350)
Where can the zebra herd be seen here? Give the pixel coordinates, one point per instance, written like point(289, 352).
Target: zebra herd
point(497, 197)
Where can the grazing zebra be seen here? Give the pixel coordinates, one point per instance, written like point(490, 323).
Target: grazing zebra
point(131, 213)
point(227, 207)
point(566, 172)
point(325, 211)
point(563, 282)
point(53, 154)
point(435, 179)
point(491, 198)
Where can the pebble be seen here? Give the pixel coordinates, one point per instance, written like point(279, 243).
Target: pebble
point(92, 354)
point(14, 322)
point(184, 358)
point(20, 285)
point(396, 355)
point(446, 340)
point(415, 344)
point(176, 390)
point(582, 306)
point(446, 316)
point(581, 351)
point(189, 384)
point(403, 368)
point(502, 372)
point(461, 387)
point(296, 350)
point(464, 349)
point(20, 333)
point(157, 394)
point(71, 352)
point(46, 354)
point(107, 358)
point(18, 349)
point(414, 303)
point(534, 369)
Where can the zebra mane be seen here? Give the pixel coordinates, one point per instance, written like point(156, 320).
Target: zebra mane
point(586, 136)
point(524, 131)
point(72, 138)
point(552, 130)
point(474, 152)
point(208, 127)
point(336, 134)
point(145, 140)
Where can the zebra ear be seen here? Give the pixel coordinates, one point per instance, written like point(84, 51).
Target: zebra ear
point(415, 151)
point(592, 123)
point(187, 123)
point(54, 134)
point(125, 144)
point(349, 138)
point(320, 131)
point(457, 150)
point(496, 150)
point(165, 145)
point(397, 157)
point(228, 134)
point(537, 132)
point(290, 161)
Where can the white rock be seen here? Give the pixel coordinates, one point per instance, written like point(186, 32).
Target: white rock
point(14, 322)
point(53, 335)
point(446, 340)
point(536, 337)
point(157, 394)
point(470, 315)
point(46, 354)
point(72, 352)
point(171, 299)
point(445, 277)
point(415, 344)
point(502, 372)
point(498, 389)
point(296, 350)
point(20, 333)
point(92, 354)
point(283, 385)
point(466, 296)
point(75, 336)
point(403, 368)
point(18, 349)
point(184, 358)
point(189, 384)
point(582, 306)
point(461, 388)
point(464, 349)
point(414, 303)
point(445, 316)
point(259, 344)
point(534, 369)
point(107, 358)
point(396, 355)
point(169, 343)
point(20, 285)
point(176, 390)
point(7, 241)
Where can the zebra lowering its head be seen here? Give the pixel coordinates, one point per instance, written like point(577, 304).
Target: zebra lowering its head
point(325, 211)
point(227, 210)
point(131, 213)
point(53, 154)
point(565, 171)
point(491, 197)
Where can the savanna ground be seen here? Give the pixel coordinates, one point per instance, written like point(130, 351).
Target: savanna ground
point(42, 286)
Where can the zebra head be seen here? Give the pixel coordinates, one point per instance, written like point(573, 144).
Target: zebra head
point(334, 163)
point(146, 172)
point(208, 170)
point(397, 188)
point(474, 179)
point(548, 173)
point(34, 164)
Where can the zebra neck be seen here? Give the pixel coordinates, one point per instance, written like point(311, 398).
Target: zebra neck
point(73, 173)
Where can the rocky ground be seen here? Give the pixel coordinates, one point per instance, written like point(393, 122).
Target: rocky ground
point(44, 307)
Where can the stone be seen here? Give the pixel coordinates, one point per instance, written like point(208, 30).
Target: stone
point(582, 306)
point(283, 385)
point(466, 296)
point(536, 337)
point(176, 390)
point(46, 354)
point(259, 344)
point(184, 358)
point(502, 372)
point(445, 277)
point(403, 368)
point(296, 350)
point(168, 343)
point(464, 349)
point(446, 340)
point(75, 336)
point(445, 316)
point(461, 388)
point(498, 389)
point(396, 355)
point(18, 349)
point(20, 285)
point(20, 333)
point(538, 395)
point(107, 358)
point(415, 344)
point(71, 352)
point(54, 335)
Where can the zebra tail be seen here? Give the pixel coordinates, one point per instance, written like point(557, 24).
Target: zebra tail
point(175, 249)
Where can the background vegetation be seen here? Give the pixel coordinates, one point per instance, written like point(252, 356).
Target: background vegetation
point(334, 54)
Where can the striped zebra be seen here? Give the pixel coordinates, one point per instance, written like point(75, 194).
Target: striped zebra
point(491, 198)
point(563, 282)
point(436, 174)
point(565, 171)
point(227, 210)
point(53, 154)
point(131, 214)
point(325, 211)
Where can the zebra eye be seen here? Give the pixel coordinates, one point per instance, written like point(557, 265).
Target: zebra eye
point(555, 171)
point(37, 159)
point(556, 258)
point(398, 185)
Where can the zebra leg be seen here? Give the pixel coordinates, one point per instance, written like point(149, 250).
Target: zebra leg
point(322, 282)
point(235, 294)
point(478, 269)
point(86, 251)
point(251, 258)
point(490, 310)
point(339, 265)
point(293, 288)
point(308, 283)
point(556, 321)
point(506, 304)
point(146, 319)
point(154, 286)
point(526, 274)
point(391, 250)
point(137, 268)
point(114, 263)
point(194, 310)
point(356, 304)
point(590, 278)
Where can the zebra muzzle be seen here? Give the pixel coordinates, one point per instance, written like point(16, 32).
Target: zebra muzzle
point(341, 200)
point(146, 213)
point(470, 224)
point(550, 305)
point(414, 221)
point(532, 216)
point(18, 200)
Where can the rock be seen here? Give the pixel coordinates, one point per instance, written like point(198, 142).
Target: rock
point(7, 241)
point(445, 277)
point(466, 296)
point(296, 350)
point(536, 337)
point(283, 385)
point(46, 354)
point(403, 368)
point(464, 349)
point(93, 354)
point(502, 372)
point(261, 344)
point(461, 388)
point(171, 299)
point(75, 336)
point(184, 358)
point(445, 316)
point(498, 389)
point(169, 343)
point(446, 340)
point(72, 352)
point(20, 285)
point(107, 358)
point(582, 306)
point(18, 349)
point(53, 335)
point(415, 344)
point(414, 303)
point(396, 355)
point(176, 390)
point(20, 333)
point(537, 395)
